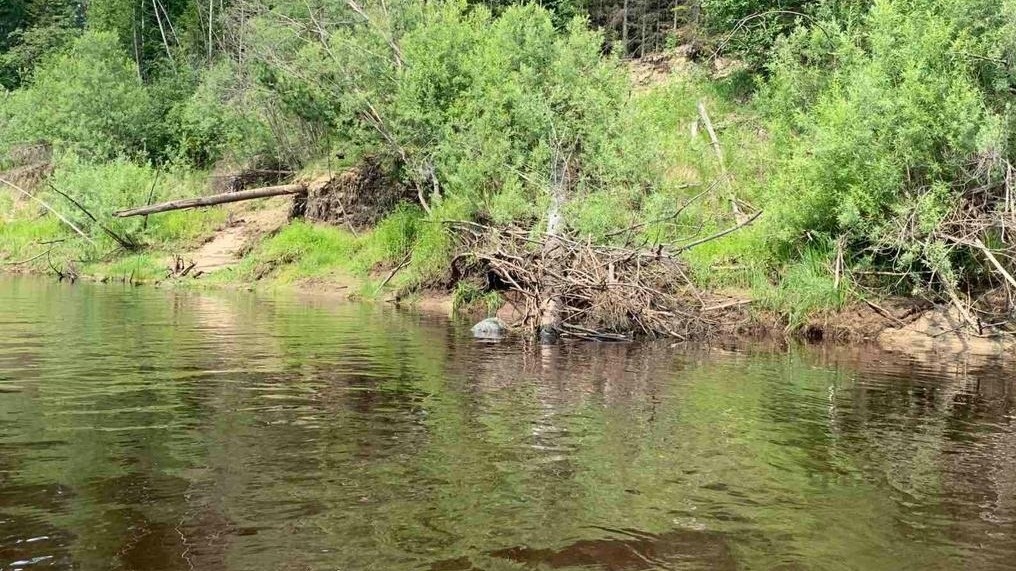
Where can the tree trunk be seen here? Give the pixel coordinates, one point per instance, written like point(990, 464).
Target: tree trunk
point(214, 199)
point(624, 30)
point(552, 305)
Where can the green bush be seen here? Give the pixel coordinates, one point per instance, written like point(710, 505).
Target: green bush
point(87, 99)
point(217, 121)
point(879, 140)
point(476, 102)
point(748, 28)
point(105, 187)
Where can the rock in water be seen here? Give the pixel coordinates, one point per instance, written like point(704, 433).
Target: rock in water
point(490, 328)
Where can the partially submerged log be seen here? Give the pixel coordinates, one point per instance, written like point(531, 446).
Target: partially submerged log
point(214, 199)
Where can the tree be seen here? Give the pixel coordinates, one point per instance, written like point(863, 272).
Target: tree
point(87, 99)
point(32, 29)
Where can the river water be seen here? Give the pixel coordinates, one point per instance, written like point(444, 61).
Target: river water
point(148, 429)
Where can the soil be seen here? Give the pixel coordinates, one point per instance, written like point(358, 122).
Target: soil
point(358, 197)
point(914, 328)
point(433, 301)
point(942, 332)
point(243, 228)
point(864, 321)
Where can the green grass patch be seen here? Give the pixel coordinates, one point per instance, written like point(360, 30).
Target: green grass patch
point(136, 268)
point(22, 238)
point(299, 251)
point(805, 287)
point(303, 250)
point(185, 227)
point(467, 296)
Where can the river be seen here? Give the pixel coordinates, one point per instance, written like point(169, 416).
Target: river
point(147, 429)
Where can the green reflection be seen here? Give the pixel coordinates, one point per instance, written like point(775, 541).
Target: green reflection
point(146, 429)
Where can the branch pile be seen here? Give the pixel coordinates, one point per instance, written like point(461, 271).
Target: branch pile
point(597, 292)
point(984, 224)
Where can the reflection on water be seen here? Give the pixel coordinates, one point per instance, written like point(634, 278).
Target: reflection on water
point(149, 430)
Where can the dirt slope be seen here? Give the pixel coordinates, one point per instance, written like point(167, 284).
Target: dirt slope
point(245, 225)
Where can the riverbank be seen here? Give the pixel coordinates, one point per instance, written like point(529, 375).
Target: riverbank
point(257, 246)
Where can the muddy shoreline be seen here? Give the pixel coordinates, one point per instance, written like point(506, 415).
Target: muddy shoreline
point(911, 328)
point(901, 325)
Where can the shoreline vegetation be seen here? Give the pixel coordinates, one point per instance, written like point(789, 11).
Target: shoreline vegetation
point(581, 170)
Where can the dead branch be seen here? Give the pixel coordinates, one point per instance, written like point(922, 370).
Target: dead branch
point(155, 179)
point(49, 208)
point(396, 51)
point(597, 292)
point(214, 199)
point(721, 234)
point(124, 242)
point(32, 259)
point(395, 270)
point(672, 216)
point(715, 142)
point(977, 243)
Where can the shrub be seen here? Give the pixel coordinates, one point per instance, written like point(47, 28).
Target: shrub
point(217, 121)
point(105, 187)
point(87, 99)
point(879, 139)
point(476, 102)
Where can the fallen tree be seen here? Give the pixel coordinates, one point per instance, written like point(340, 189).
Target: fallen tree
point(214, 199)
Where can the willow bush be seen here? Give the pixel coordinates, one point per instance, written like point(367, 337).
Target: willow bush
point(886, 125)
point(87, 99)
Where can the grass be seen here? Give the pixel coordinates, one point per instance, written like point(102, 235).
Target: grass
point(408, 238)
point(137, 268)
point(467, 296)
point(23, 238)
point(804, 288)
point(300, 251)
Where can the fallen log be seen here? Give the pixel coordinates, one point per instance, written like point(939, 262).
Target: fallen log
point(214, 199)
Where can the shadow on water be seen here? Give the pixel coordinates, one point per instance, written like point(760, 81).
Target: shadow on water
point(146, 429)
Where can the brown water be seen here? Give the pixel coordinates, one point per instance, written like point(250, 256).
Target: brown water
point(147, 429)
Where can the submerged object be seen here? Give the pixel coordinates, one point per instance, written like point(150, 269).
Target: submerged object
point(490, 328)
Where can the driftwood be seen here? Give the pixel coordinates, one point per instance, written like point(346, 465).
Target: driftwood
point(553, 252)
point(395, 270)
point(714, 141)
point(180, 269)
point(214, 199)
point(32, 259)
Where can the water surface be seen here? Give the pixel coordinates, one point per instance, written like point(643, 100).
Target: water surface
point(159, 430)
